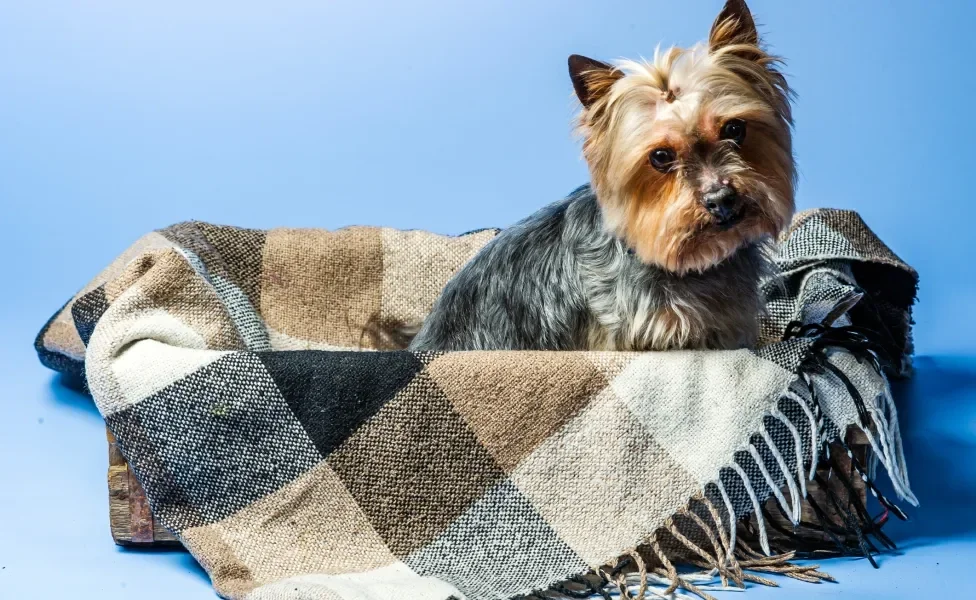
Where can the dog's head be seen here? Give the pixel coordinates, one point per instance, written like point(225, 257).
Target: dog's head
point(691, 154)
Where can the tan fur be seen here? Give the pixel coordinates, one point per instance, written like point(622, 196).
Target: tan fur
point(667, 329)
point(680, 100)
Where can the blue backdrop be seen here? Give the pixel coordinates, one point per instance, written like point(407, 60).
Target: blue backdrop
point(120, 117)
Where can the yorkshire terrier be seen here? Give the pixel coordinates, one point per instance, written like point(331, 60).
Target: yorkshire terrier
point(692, 173)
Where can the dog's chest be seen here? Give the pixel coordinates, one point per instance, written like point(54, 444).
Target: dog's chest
point(646, 324)
point(638, 309)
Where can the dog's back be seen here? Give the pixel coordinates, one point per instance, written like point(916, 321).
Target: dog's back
point(522, 291)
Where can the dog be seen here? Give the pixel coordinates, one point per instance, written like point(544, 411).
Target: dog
point(692, 174)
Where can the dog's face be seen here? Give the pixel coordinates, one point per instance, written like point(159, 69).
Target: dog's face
point(690, 154)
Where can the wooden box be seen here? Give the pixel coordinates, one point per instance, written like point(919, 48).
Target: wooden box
point(781, 532)
point(129, 516)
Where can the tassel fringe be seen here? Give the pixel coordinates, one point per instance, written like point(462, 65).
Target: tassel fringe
point(729, 549)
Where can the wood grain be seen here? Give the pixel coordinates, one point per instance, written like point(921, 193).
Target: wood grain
point(859, 445)
point(130, 519)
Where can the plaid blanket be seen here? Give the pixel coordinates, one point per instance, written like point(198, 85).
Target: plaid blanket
point(233, 367)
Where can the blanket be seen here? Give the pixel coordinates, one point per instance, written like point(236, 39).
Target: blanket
point(298, 456)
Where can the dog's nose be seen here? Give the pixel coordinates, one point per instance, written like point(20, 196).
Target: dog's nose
point(721, 202)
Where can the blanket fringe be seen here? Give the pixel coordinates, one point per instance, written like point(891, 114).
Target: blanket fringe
point(631, 578)
point(729, 549)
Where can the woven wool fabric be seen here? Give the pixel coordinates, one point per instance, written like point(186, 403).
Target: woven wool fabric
point(229, 365)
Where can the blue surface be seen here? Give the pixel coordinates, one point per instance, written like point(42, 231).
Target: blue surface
point(120, 117)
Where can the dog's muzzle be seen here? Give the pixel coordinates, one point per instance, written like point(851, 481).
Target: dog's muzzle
point(722, 202)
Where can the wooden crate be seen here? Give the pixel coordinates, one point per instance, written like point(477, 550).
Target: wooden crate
point(130, 519)
point(860, 447)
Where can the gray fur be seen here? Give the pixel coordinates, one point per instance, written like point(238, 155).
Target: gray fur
point(558, 280)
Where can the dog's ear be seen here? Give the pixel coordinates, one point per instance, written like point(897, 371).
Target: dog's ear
point(733, 26)
point(591, 78)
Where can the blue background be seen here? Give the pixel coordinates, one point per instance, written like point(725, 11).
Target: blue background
point(120, 117)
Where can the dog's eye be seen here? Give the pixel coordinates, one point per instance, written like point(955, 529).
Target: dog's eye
point(735, 130)
point(662, 159)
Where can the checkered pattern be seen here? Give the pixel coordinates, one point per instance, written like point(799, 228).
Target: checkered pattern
point(294, 462)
